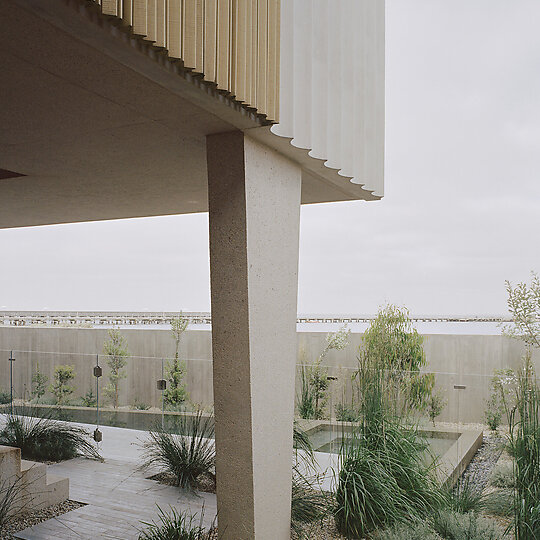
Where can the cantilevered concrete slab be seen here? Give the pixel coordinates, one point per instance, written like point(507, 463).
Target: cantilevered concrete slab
point(98, 122)
point(101, 126)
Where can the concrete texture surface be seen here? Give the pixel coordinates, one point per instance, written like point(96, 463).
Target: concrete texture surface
point(34, 488)
point(457, 359)
point(254, 220)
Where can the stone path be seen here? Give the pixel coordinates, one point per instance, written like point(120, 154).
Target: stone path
point(117, 496)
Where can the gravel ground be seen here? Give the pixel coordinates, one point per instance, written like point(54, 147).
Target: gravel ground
point(481, 465)
point(18, 523)
point(321, 531)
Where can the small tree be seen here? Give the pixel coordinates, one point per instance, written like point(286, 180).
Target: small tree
point(116, 349)
point(392, 345)
point(524, 306)
point(435, 405)
point(61, 389)
point(175, 370)
point(39, 384)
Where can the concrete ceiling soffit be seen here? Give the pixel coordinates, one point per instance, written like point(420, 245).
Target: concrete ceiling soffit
point(84, 21)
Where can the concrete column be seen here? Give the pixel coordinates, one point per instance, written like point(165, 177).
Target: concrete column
point(254, 206)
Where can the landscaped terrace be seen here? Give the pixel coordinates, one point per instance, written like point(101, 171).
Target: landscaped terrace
point(380, 451)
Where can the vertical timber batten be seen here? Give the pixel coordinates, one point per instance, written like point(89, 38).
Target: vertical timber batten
point(231, 43)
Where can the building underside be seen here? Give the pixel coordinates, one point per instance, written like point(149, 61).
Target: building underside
point(244, 108)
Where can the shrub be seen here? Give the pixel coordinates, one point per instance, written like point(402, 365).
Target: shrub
point(493, 413)
point(524, 414)
point(61, 389)
point(367, 495)
point(524, 306)
point(5, 397)
point(116, 350)
point(176, 393)
point(502, 475)
point(140, 405)
point(408, 531)
point(175, 525)
point(89, 399)
point(39, 384)
point(46, 439)
point(456, 526)
point(308, 502)
point(346, 413)
point(185, 457)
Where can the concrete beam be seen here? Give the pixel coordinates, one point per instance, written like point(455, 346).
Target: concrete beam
point(254, 205)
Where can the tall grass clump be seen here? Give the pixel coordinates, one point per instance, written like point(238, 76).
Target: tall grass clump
point(524, 441)
point(175, 525)
point(466, 496)
point(500, 503)
point(47, 439)
point(12, 496)
point(383, 478)
point(308, 502)
point(306, 397)
point(186, 457)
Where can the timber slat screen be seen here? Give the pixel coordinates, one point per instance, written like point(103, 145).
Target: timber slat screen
point(232, 43)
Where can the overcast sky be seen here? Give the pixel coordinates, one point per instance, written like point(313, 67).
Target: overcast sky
point(461, 212)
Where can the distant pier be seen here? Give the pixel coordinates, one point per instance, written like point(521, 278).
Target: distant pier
point(119, 318)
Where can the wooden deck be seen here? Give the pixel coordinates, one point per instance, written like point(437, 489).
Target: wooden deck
point(117, 496)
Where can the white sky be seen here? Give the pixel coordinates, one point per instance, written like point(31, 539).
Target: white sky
point(461, 212)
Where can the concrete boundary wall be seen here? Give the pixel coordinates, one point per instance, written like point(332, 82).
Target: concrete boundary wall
point(466, 360)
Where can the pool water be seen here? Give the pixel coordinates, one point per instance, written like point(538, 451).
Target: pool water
point(330, 441)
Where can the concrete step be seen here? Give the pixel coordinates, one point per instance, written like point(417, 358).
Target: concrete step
point(55, 491)
point(39, 489)
point(34, 473)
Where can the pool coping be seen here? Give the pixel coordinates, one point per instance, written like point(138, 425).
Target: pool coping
point(451, 464)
